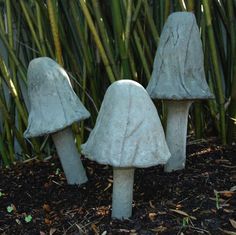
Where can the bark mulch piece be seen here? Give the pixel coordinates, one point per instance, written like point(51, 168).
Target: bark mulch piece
point(35, 199)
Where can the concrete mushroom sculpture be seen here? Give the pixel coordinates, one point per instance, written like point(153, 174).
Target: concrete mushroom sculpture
point(178, 77)
point(53, 108)
point(127, 134)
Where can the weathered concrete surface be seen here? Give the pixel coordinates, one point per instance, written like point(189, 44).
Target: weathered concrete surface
point(69, 156)
point(127, 134)
point(128, 131)
point(178, 75)
point(178, 71)
point(176, 132)
point(53, 103)
point(53, 107)
point(122, 195)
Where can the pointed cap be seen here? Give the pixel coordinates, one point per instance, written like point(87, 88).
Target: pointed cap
point(128, 131)
point(53, 103)
point(178, 71)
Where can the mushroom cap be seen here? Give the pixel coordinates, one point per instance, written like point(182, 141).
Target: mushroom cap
point(178, 71)
point(53, 103)
point(128, 131)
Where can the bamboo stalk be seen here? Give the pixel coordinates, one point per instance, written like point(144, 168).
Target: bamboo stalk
point(40, 29)
point(128, 23)
point(3, 152)
point(120, 39)
point(183, 5)
point(12, 54)
point(144, 42)
point(142, 56)
point(97, 40)
point(30, 24)
point(13, 91)
point(218, 80)
point(190, 5)
point(54, 28)
point(151, 22)
point(104, 36)
point(232, 106)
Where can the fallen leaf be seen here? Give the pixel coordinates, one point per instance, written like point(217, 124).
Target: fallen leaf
point(46, 207)
point(220, 161)
point(110, 180)
point(18, 221)
point(227, 232)
point(226, 193)
point(159, 229)
point(151, 205)
point(95, 229)
point(109, 185)
point(52, 230)
point(152, 216)
point(233, 189)
point(228, 211)
point(47, 221)
point(233, 222)
point(162, 213)
point(219, 200)
point(183, 213)
point(196, 209)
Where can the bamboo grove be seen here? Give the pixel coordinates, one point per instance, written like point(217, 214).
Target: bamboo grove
point(99, 42)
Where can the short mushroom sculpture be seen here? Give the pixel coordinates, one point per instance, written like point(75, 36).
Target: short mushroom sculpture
point(178, 77)
point(53, 108)
point(127, 134)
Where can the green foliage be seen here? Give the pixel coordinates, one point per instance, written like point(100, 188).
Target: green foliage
point(10, 209)
point(28, 218)
point(99, 42)
point(185, 222)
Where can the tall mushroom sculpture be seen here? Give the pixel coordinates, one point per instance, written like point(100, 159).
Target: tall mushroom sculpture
point(178, 77)
point(127, 134)
point(53, 108)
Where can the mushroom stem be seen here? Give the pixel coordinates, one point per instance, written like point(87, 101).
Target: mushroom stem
point(69, 156)
point(176, 133)
point(122, 195)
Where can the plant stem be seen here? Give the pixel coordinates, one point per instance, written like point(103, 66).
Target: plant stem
point(97, 40)
point(54, 28)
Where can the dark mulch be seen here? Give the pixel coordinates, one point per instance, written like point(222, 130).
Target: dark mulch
point(198, 200)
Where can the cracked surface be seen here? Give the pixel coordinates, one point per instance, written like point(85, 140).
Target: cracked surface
point(178, 71)
point(128, 131)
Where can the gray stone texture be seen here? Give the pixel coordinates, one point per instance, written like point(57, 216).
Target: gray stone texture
point(178, 71)
point(122, 194)
point(53, 108)
point(127, 134)
point(53, 103)
point(176, 132)
point(70, 158)
point(128, 131)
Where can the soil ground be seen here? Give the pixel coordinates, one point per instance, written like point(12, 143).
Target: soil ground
point(35, 199)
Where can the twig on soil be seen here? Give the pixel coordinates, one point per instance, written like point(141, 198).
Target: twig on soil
point(200, 230)
point(56, 183)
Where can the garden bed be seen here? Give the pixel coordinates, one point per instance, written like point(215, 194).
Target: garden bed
point(35, 199)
